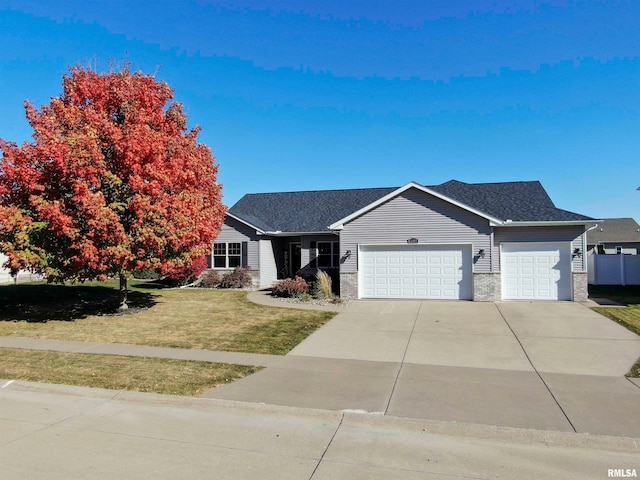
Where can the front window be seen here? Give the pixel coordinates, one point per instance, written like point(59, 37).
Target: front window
point(226, 255)
point(233, 255)
point(328, 254)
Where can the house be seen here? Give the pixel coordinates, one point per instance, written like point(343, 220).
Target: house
point(614, 236)
point(481, 241)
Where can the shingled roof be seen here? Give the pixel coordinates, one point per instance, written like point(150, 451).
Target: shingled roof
point(313, 211)
point(309, 211)
point(516, 201)
point(614, 230)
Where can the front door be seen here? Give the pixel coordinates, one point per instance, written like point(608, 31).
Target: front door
point(296, 258)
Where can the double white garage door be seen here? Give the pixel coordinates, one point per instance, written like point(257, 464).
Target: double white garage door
point(416, 271)
point(530, 271)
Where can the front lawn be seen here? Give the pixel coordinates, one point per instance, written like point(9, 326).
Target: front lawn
point(208, 319)
point(158, 375)
point(184, 318)
point(628, 315)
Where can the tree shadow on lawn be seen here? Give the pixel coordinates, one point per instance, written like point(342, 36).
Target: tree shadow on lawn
point(47, 302)
point(624, 295)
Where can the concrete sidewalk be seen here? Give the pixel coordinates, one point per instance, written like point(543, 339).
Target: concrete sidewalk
point(68, 433)
point(237, 358)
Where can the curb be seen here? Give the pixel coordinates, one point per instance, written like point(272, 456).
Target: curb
point(374, 421)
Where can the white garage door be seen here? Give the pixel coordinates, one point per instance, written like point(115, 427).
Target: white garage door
point(416, 271)
point(536, 271)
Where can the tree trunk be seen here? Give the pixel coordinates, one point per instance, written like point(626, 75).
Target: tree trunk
point(123, 293)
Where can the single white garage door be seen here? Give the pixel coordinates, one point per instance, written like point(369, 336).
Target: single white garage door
point(536, 271)
point(416, 271)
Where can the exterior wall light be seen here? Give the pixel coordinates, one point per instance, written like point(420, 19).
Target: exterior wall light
point(481, 253)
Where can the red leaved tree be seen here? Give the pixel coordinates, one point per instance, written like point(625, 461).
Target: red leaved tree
point(113, 182)
point(187, 273)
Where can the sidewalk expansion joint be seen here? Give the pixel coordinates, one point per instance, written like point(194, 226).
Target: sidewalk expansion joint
point(327, 447)
point(404, 355)
point(536, 370)
point(632, 383)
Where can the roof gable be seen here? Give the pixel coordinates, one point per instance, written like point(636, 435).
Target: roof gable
point(429, 190)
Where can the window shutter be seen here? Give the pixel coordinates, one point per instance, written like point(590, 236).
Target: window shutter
point(209, 262)
point(243, 260)
point(312, 254)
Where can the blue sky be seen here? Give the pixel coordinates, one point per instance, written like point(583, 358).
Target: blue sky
point(302, 95)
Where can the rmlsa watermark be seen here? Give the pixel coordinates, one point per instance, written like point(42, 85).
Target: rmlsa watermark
point(622, 473)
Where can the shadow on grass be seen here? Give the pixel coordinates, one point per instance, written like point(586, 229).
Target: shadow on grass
point(624, 295)
point(46, 302)
point(152, 285)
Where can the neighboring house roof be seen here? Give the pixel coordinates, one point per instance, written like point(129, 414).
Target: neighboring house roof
point(314, 211)
point(611, 230)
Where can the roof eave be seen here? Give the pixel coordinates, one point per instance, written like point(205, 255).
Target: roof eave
point(259, 231)
point(546, 223)
point(278, 233)
point(340, 223)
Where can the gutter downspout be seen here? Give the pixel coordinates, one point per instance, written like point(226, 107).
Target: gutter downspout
point(585, 260)
point(491, 247)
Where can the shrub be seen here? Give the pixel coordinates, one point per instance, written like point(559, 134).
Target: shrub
point(238, 278)
point(146, 274)
point(209, 279)
point(290, 287)
point(187, 274)
point(323, 285)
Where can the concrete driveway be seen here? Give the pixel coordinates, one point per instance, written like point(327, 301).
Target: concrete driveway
point(555, 366)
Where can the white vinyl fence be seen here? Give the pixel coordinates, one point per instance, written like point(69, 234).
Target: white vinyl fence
point(614, 269)
point(23, 276)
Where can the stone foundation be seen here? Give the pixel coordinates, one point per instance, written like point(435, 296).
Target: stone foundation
point(487, 287)
point(348, 285)
point(580, 287)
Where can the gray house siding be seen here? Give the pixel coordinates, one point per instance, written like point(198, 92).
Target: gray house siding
point(233, 231)
point(573, 234)
point(415, 214)
point(268, 270)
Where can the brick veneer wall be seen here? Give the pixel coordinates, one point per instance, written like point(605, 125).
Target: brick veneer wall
point(486, 287)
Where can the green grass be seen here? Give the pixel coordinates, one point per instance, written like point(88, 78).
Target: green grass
point(183, 318)
point(175, 377)
point(208, 319)
point(628, 315)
